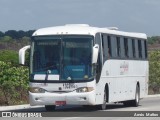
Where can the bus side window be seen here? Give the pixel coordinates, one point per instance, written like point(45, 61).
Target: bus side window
point(126, 47)
point(130, 49)
point(118, 47)
point(122, 47)
point(113, 46)
point(136, 48)
point(145, 49)
point(133, 48)
point(140, 48)
point(109, 47)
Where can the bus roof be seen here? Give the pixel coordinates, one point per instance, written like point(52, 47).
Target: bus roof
point(84, 29)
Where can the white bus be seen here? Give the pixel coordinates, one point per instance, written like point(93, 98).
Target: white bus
point(83, 65)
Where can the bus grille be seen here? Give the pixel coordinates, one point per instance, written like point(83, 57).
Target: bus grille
point(60, 92)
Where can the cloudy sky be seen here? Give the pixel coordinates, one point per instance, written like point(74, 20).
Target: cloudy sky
point(127, 15)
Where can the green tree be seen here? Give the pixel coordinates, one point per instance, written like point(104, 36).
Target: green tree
point(9, 56)
point(1, 34)
point(29, 33)
point(6, 39)
point(154, 39)
point(12, 33)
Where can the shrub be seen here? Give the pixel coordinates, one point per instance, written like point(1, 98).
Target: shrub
point(13, 83)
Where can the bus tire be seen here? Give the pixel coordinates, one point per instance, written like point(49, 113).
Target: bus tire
point(103, 105)
point(135, 102)
point(50, 107)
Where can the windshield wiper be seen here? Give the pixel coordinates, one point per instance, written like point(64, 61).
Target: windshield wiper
point(47, 73)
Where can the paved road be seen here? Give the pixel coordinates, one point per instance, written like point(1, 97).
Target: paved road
point(117, 110)
point(146, 104)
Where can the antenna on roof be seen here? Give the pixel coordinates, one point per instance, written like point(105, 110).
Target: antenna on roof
point(112, 28)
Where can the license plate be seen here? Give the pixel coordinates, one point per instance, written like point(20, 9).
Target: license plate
point(60, 102)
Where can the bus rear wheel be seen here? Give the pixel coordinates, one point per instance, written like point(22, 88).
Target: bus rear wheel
point(50, 107)
point(135, 102)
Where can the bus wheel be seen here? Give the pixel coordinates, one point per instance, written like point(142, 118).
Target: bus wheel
point(50, 107)
point(103, 105)
point(135, 102)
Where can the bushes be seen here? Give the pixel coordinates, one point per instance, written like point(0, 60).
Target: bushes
point(154, 72)
point(13, 84)
point(9, 56)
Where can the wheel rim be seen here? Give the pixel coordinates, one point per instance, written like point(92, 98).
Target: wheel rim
point(137, 97)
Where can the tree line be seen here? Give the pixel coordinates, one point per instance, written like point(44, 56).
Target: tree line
point(154, 40)
point(16, 34)
point(14, 40)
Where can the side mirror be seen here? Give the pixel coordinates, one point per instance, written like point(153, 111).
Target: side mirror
point(22, 52)
point(95, 53)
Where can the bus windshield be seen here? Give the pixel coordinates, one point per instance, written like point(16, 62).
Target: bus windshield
point(69, 57)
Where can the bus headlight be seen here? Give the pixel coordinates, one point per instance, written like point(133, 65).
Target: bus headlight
point(84, 89)
point(36, 90)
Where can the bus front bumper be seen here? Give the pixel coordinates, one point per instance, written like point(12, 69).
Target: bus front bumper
point(87, 98)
